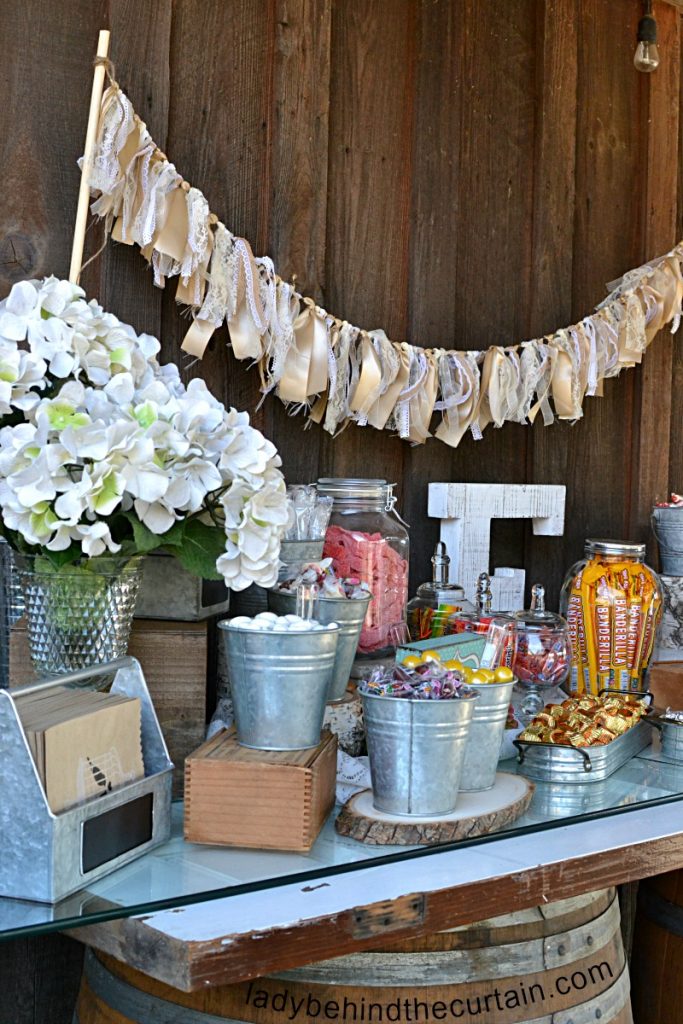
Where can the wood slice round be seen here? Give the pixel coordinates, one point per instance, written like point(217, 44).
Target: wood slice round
point(476, 815)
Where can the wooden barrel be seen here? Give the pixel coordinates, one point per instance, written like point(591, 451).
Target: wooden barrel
point(657, 961)
point(558, 964)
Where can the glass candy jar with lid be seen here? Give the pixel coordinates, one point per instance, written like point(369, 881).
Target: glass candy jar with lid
point(436, 601)
point(613, 604)
point(542, 657)
point(367, 540)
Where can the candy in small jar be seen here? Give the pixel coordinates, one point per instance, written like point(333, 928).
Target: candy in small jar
point(542, 650)
point(366, 540)
point(435, 603)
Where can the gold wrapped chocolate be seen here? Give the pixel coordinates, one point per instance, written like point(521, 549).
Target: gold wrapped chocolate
point(615, 723)
point(587, 721)
point(611, 703)
point(590, 735)
point(629, 715)
point(529, 737)
point(560, 736)
point(604, 736)
point(576, 739)
point(577, 721)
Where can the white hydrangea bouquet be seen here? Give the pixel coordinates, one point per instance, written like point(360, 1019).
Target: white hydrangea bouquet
point(103, 451)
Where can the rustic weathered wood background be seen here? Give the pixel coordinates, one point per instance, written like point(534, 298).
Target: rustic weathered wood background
point(460, 172)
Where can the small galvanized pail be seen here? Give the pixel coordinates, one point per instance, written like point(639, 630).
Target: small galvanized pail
point(667, 526)
point(279, 684)
point(348, 613)
point(486, 736)
point(417, 749)
point(294, 553)
point(672, 740)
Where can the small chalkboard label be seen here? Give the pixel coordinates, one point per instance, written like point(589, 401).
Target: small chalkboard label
point(115, 832)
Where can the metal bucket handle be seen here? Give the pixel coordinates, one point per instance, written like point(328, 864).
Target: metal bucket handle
point(523, 748)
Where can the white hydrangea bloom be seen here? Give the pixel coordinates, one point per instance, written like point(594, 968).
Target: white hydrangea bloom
point(106, 429)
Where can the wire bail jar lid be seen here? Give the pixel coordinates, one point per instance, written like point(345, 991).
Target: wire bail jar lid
point(615, 548)
point(354, 491)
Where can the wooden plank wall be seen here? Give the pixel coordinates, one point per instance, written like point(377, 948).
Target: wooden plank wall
point(460, 172)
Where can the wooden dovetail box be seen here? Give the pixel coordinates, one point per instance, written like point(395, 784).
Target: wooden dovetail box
point(267, 800)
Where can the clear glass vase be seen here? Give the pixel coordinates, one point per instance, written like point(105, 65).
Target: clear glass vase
point(78, 615)
point(11, 608)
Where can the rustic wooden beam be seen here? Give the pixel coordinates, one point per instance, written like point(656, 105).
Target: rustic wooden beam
point(653, 385)
point(235, 938)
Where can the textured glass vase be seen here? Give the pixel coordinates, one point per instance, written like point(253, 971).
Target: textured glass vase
point(78, 615)
point(11, 607)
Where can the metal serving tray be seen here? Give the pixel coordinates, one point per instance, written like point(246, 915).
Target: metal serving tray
point(553, 762)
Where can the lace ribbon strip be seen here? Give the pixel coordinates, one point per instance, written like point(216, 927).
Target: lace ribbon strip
point(338, 373)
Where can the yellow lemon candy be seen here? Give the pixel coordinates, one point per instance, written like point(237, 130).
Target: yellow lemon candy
point(467, 673)
point(412, 661)
point(453, 665)
point(480, 677)
point(504, 674)
point(488, 674)
point(430, 656)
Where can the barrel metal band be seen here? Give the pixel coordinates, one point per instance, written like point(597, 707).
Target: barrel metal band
point(140, 1007)
point(661, 911)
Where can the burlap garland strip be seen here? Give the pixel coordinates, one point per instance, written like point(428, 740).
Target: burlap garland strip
point(334, 371)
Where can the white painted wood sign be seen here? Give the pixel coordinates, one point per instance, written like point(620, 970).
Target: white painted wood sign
point(466, 511)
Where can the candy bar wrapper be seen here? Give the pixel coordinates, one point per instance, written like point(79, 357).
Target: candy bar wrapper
point(603, 631)
point(498, 641)
point(573, 613)
point(577, 635)
point(620, 625)
point(592, 572)
point(644, 587)
point(441, 619)
point(650, 631)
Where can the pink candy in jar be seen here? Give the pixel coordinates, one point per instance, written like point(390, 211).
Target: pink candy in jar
point(367, 540)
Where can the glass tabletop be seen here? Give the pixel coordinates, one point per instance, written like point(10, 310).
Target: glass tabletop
point(179, 873)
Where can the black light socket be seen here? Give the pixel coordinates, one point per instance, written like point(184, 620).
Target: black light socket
point(647, 29)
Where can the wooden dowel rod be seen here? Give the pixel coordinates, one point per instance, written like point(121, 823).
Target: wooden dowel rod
point(90, 136)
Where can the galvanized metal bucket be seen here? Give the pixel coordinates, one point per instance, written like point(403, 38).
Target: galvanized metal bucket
point(417, 749)
point(348, 613)
point(279, 684)
point(667, 525)
point(672, 740)
point(299, 552)
point(486, 736)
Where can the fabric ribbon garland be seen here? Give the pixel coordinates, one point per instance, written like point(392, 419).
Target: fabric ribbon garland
point(338, 373)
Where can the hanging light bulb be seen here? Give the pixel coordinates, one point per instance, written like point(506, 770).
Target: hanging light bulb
point(647, 55)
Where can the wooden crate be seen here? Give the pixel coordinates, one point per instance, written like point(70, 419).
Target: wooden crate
point(173, 656)
point(268, 800)
point(665, 680)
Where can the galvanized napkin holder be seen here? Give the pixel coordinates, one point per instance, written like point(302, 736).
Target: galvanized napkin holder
point(46, 856)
